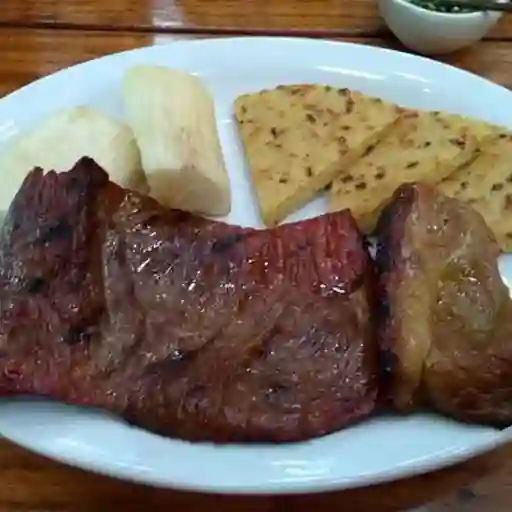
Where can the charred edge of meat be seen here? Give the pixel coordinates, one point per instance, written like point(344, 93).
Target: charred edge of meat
point(12, 220)
point(390, 229)
point(60, 229)
point(226, 243)
point(85, 176)
point(385, 230)
point(10, 224)
point(86, 166)
point(35, 285)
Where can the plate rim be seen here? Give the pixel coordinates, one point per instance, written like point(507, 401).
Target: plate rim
point(325, 485)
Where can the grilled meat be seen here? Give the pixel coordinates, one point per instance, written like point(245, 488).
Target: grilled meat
point(445, 315)
point(184, 326)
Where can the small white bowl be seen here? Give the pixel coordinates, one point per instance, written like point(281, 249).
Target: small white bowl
point(430, 32)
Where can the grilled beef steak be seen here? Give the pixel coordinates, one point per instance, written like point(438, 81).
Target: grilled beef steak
point(184, 326)
point(446, 315)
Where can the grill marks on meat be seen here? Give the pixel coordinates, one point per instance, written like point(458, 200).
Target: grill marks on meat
point(187, 327)
point(446, 319)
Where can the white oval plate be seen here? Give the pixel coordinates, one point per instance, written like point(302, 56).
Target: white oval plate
point(378, 450)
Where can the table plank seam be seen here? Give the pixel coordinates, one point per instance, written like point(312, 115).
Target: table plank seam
point(380, 33)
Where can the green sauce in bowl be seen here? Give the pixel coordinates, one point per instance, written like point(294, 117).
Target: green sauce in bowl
point(441, 6)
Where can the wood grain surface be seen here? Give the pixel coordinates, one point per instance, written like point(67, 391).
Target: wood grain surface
point(32, 483)
point(38, 38)
point(317, 17)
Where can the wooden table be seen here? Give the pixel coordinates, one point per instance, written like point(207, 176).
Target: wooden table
point(38, 37)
